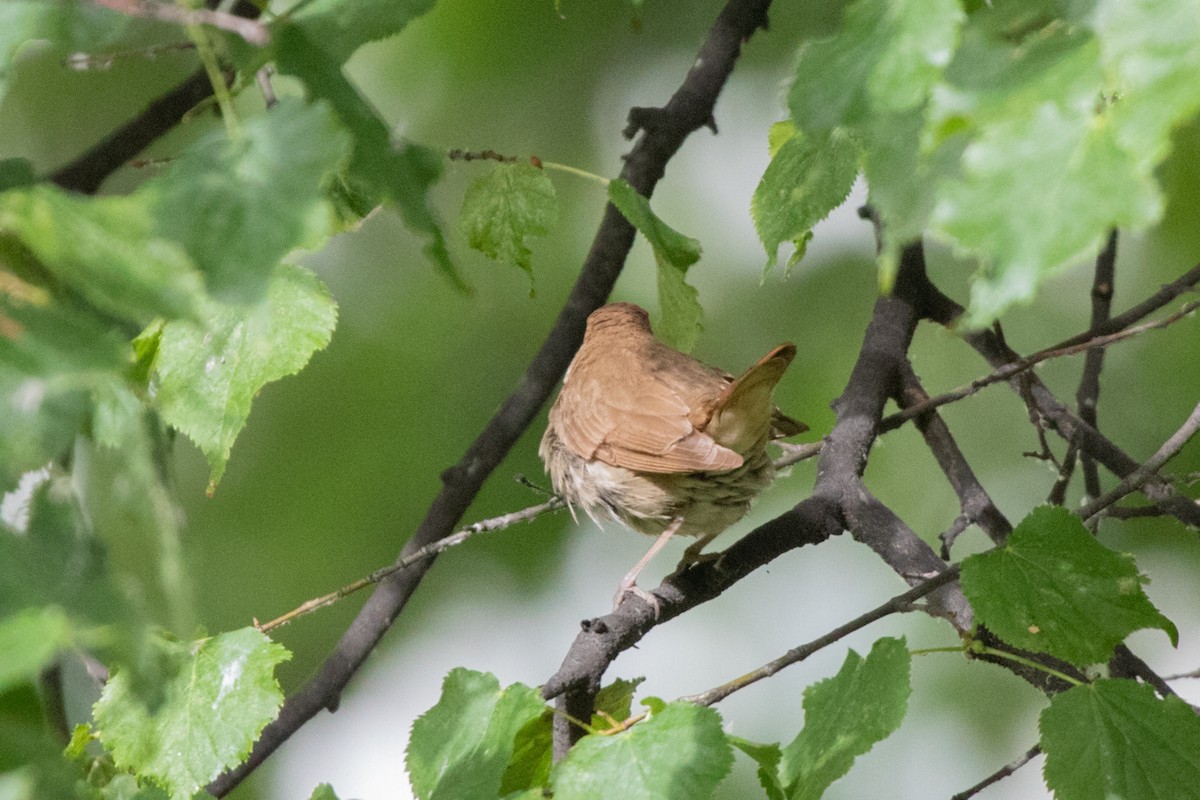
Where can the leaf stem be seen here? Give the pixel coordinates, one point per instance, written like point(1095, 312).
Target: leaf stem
point(212, 68)
point(579, 173)
point(983, 649)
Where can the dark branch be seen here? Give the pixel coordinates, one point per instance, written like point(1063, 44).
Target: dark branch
point(975, 502)
point(1087, 397)
point(1000, 774)
point(688, 109)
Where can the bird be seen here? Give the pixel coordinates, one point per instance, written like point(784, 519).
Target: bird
point(658, 440)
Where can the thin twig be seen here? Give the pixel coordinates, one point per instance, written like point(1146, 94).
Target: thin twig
point(251, 30)
point(1000, 774)
point(1148, 470)
point(429, 551)
point(899, 603)
point(1009, 371)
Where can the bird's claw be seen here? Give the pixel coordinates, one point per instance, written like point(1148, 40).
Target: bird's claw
point(633, 589)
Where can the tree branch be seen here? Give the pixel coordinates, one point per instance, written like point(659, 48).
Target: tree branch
point(688, 109)
point(1088, 395)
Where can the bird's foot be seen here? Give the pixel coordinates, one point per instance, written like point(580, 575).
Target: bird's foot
point(628, 587)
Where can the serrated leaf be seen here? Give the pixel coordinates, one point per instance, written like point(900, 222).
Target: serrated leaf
point(674, 253)
point(505, 207)
point(807, 178)
point(239, 207)
point(1054, 589)
point(209, 374)
point(1150, 48)
point(105, 248)
point(1035, 195)
point(342, 26)
point(845, 716)
point(885, 58)
point(30, 639)
point(221, 696)
point(461, 748)
point(679, 753)
point(767, 756)
point(403, 174)
point(1115, 738)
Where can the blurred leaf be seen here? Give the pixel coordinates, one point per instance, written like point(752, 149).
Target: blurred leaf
point(678, 753)
point(1115, 738)
point(213, 708)
point(461, 748)
point(674, 253)
point(845, 716)
point(767, 756)
point(1042, 183)
point(1150, 48)
point(806, 179)
point(30, 640)
point(342, 26)
point(239, 207)
point(105, 249)
point(1054, 589)
point(403, 174)
point(506, 206)
point(31, 762)
point(885, 58)
point(323, 792)
point(15, 172)
point(209, 374)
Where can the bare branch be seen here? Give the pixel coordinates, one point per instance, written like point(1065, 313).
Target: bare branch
point(1000, 774)
point(1148, 471)
point(1087, 397)
point(899, 603)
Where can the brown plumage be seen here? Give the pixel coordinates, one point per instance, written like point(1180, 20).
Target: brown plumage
point(658, 440)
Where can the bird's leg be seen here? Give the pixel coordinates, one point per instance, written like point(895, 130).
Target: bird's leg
point(629, 582)
point(692, 555)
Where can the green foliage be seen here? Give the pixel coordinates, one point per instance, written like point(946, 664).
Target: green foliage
point(1017, 136)
point(1115, 738)
point(504, 207)
point(462, 746)
point(1053, 588)
point(30, 639)
point(678, 753)
point(209, 372)
point(220, 695)
point(806, 179)
point(845, 716)
point(674, 253)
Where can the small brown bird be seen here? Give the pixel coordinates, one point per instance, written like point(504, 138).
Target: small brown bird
point(659, 441)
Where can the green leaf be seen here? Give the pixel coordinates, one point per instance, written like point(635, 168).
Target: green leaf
point(30, 640)
point(211, 711)
point(461, 748)
point(342, 26)
point(105, 248)
point(403, 174)
point(844, 716)
point(1149, 48)
point(885, 58)
point(209, 374)
point(323, 792)
point(1115, 738)
point(614, 702)
point(503, 208)
point(674, 253)
point(239, 207)
point(532, 753)
point(1054, 589)
point(678, 753)
point(767, 756)
point(807, 178)
point(15, 172)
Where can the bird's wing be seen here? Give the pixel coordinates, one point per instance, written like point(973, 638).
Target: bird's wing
point(645, 427)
